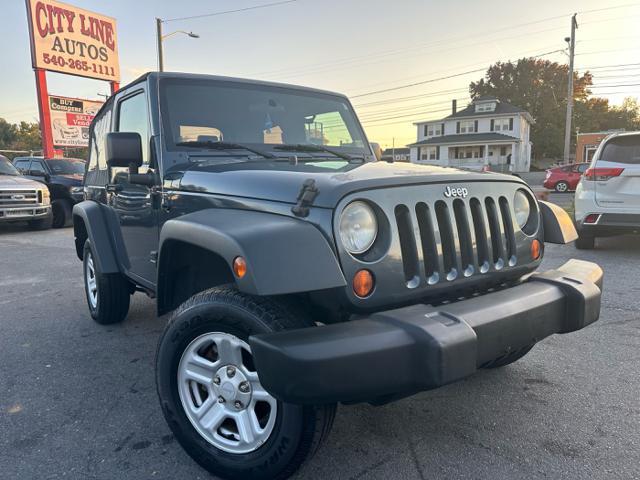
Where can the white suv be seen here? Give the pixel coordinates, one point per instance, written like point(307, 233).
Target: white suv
point(607, 200)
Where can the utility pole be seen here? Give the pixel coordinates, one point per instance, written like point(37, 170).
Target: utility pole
point(393, 149)
point(567, 127)
point(160, 53)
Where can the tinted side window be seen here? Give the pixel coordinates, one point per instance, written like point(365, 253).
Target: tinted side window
point(583, 168)
point(624, 149)
point(22, 165)
point(133, 117)
point(96, 171)
point(37, 166)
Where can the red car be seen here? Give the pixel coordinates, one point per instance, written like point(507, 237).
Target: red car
point(564, 179)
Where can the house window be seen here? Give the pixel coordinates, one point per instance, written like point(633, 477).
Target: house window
point(502, 124)
point(467, 126)
point(434, 130)
point(485, 107)
point(429, 153)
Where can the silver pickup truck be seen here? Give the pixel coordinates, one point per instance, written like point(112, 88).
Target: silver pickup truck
point(22, 199)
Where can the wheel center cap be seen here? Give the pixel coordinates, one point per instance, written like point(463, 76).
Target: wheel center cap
point(232, 387)
point(228, 390)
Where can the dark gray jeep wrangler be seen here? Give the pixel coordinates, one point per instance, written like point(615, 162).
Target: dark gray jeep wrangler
point(301, 272)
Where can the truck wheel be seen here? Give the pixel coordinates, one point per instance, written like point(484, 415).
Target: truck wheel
point(562, 187)
point(585, 242)
point(211, 395)
point(61, 213)
point(107, 293)
point(509, 358)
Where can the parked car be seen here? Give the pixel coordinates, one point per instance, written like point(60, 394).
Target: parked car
point(63, 176)
point(566, 178)
point(418, 275)
point(21, 199)
point(607, 200)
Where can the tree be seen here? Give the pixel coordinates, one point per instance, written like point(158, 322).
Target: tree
point(19, 136)
point(540, 87)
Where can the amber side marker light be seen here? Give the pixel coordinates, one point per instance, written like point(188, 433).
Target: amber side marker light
point(363, 283)
point(536, 249)
point(239, 267)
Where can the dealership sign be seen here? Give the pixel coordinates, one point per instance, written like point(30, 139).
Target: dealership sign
point(70, 120)
point(71, 40)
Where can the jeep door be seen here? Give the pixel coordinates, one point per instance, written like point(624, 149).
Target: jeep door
point(618, 173)
point(132, 205)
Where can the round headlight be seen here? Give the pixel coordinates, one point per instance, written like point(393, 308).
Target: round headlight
point(358, 227)
point(522, 208)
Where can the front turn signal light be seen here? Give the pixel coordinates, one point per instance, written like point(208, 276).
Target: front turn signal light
point(363, 283)
point(536, 249)
point(239, 267)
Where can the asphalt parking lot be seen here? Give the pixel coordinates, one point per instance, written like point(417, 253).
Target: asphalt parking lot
point(78, 400)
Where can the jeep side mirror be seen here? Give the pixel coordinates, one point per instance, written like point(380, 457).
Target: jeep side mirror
point(124, 149)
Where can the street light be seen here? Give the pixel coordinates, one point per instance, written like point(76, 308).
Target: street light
point(163, 37)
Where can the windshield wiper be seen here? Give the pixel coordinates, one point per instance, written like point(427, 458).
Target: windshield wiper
point(224, 146)
point(303, 147)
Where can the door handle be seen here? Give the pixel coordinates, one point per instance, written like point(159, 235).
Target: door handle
point(113, 187)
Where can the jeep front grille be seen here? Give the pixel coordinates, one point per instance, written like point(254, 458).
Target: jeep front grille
point(18, 198)
point(456, 239)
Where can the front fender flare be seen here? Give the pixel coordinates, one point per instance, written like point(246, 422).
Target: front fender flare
point(557, 224)
point(98, 233)
point(284, 255)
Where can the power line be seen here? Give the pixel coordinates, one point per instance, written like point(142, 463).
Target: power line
point(439, 78)
point(314, 68)
point(255, 7)
point(616, 86)
point(412, 97)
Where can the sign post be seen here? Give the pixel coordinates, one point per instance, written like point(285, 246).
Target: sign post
point(70, 40)
point(45, 113)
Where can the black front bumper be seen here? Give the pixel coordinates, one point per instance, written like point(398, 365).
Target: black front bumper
point(400, 352)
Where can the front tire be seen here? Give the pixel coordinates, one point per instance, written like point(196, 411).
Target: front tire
point(61, 210)
point(211, 396)
point(562, 187)
point(108, 294)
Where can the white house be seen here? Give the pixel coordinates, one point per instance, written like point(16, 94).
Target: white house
point(488, 132)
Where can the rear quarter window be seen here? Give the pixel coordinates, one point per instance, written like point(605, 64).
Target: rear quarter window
point(623, 149)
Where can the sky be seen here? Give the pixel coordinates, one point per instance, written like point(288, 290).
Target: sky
point(368, 49)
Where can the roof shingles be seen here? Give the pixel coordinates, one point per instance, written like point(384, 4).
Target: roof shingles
point(467, 138)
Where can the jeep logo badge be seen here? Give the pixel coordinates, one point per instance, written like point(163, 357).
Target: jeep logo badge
point(460, 192)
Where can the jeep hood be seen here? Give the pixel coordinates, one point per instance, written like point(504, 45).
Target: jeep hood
point(19, 182)
point(281, 181)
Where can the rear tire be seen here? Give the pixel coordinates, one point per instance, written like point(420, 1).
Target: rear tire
point(562, 187)
point(61, 209)
point(108, 294)
point(223, 319)
point(509, 358)
point(585, 242)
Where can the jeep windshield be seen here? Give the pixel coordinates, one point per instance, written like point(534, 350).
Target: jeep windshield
point(197, 113)
point(6, 168)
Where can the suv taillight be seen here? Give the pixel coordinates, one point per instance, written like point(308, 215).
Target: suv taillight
point(602, 174)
